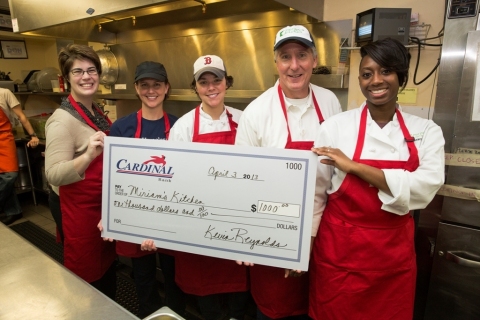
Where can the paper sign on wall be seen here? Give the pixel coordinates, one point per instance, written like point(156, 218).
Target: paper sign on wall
point(408, 96)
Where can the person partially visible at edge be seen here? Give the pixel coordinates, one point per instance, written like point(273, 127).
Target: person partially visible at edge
point(73, 162)
point(382, 163)
point(150, 122)
point(211, 280)
point(9, 108)
point(289, 115)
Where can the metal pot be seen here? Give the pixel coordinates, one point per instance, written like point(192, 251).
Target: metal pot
point(109, 66)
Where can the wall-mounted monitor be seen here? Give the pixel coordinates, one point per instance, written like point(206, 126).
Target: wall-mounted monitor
point(381, 23)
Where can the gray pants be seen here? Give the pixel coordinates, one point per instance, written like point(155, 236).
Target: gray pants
point(8, 199)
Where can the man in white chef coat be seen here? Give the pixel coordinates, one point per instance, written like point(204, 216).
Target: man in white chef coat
point(288, 115)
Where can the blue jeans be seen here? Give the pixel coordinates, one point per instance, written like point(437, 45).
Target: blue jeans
point(8, 199)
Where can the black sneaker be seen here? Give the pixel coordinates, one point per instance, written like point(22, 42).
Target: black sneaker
point(11, 219)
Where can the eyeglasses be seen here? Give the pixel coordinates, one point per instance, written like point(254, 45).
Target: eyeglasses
point(80, 72)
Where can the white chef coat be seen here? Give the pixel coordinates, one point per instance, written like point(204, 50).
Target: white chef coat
point(182, 130)
point(263, 125)
point(410, 190)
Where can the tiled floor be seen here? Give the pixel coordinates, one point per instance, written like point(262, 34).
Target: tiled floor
point(39, 214)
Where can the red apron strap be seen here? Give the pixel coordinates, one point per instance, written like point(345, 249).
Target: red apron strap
point(84, 115)
point(167, 125)
point(284, 109)
point(196, 122)
point(317, 108)
point(361, 135)
point(233, 124)
point(413, 162)
point(138, 131)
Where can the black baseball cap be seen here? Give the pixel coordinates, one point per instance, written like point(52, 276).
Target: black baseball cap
point(151, 69)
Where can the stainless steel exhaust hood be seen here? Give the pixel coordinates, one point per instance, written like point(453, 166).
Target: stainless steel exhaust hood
point(100, 20)
point(313, 8)
point(33, 14)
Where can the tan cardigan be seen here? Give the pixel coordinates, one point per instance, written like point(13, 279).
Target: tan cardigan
point(67, 138)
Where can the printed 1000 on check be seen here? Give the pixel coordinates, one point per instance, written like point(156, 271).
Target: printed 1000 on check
point(232, 202)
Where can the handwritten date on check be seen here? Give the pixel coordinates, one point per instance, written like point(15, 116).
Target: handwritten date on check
point(231, 202)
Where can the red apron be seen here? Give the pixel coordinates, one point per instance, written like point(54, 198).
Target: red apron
point(128, 249)
point(363, 264)
point(8, 149)
point(202, 275)
point(85, 253)
point(275, 295)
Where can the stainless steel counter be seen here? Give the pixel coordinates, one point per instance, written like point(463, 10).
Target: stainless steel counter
point(34, 286)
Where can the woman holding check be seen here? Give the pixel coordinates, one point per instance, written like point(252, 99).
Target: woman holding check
point(74, 162)
point(210, 279)
point(382, 163)
point(150, 122)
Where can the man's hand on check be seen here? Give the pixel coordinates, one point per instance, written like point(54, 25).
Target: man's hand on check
point(148, 245)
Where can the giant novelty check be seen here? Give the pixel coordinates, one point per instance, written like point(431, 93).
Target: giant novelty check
point(233, 202)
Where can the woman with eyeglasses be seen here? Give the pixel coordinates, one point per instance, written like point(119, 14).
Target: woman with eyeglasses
point(73, 163)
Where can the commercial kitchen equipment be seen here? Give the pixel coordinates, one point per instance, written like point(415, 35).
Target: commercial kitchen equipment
point(454, 289)
point(34, 286)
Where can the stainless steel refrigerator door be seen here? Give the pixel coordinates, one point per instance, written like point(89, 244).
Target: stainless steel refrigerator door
point(466, 136)
point(455, 283)
point(450, 74)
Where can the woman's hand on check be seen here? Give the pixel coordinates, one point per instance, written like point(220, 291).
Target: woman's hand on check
point(293, 273)
point(248, 264)
point(100, 227)
point(335, 157)
point(148, 245)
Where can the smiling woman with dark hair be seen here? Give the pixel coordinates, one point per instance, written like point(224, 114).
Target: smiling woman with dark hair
point(74, 163)
point(382, 163)
point(210, 279)
point(150, 122)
